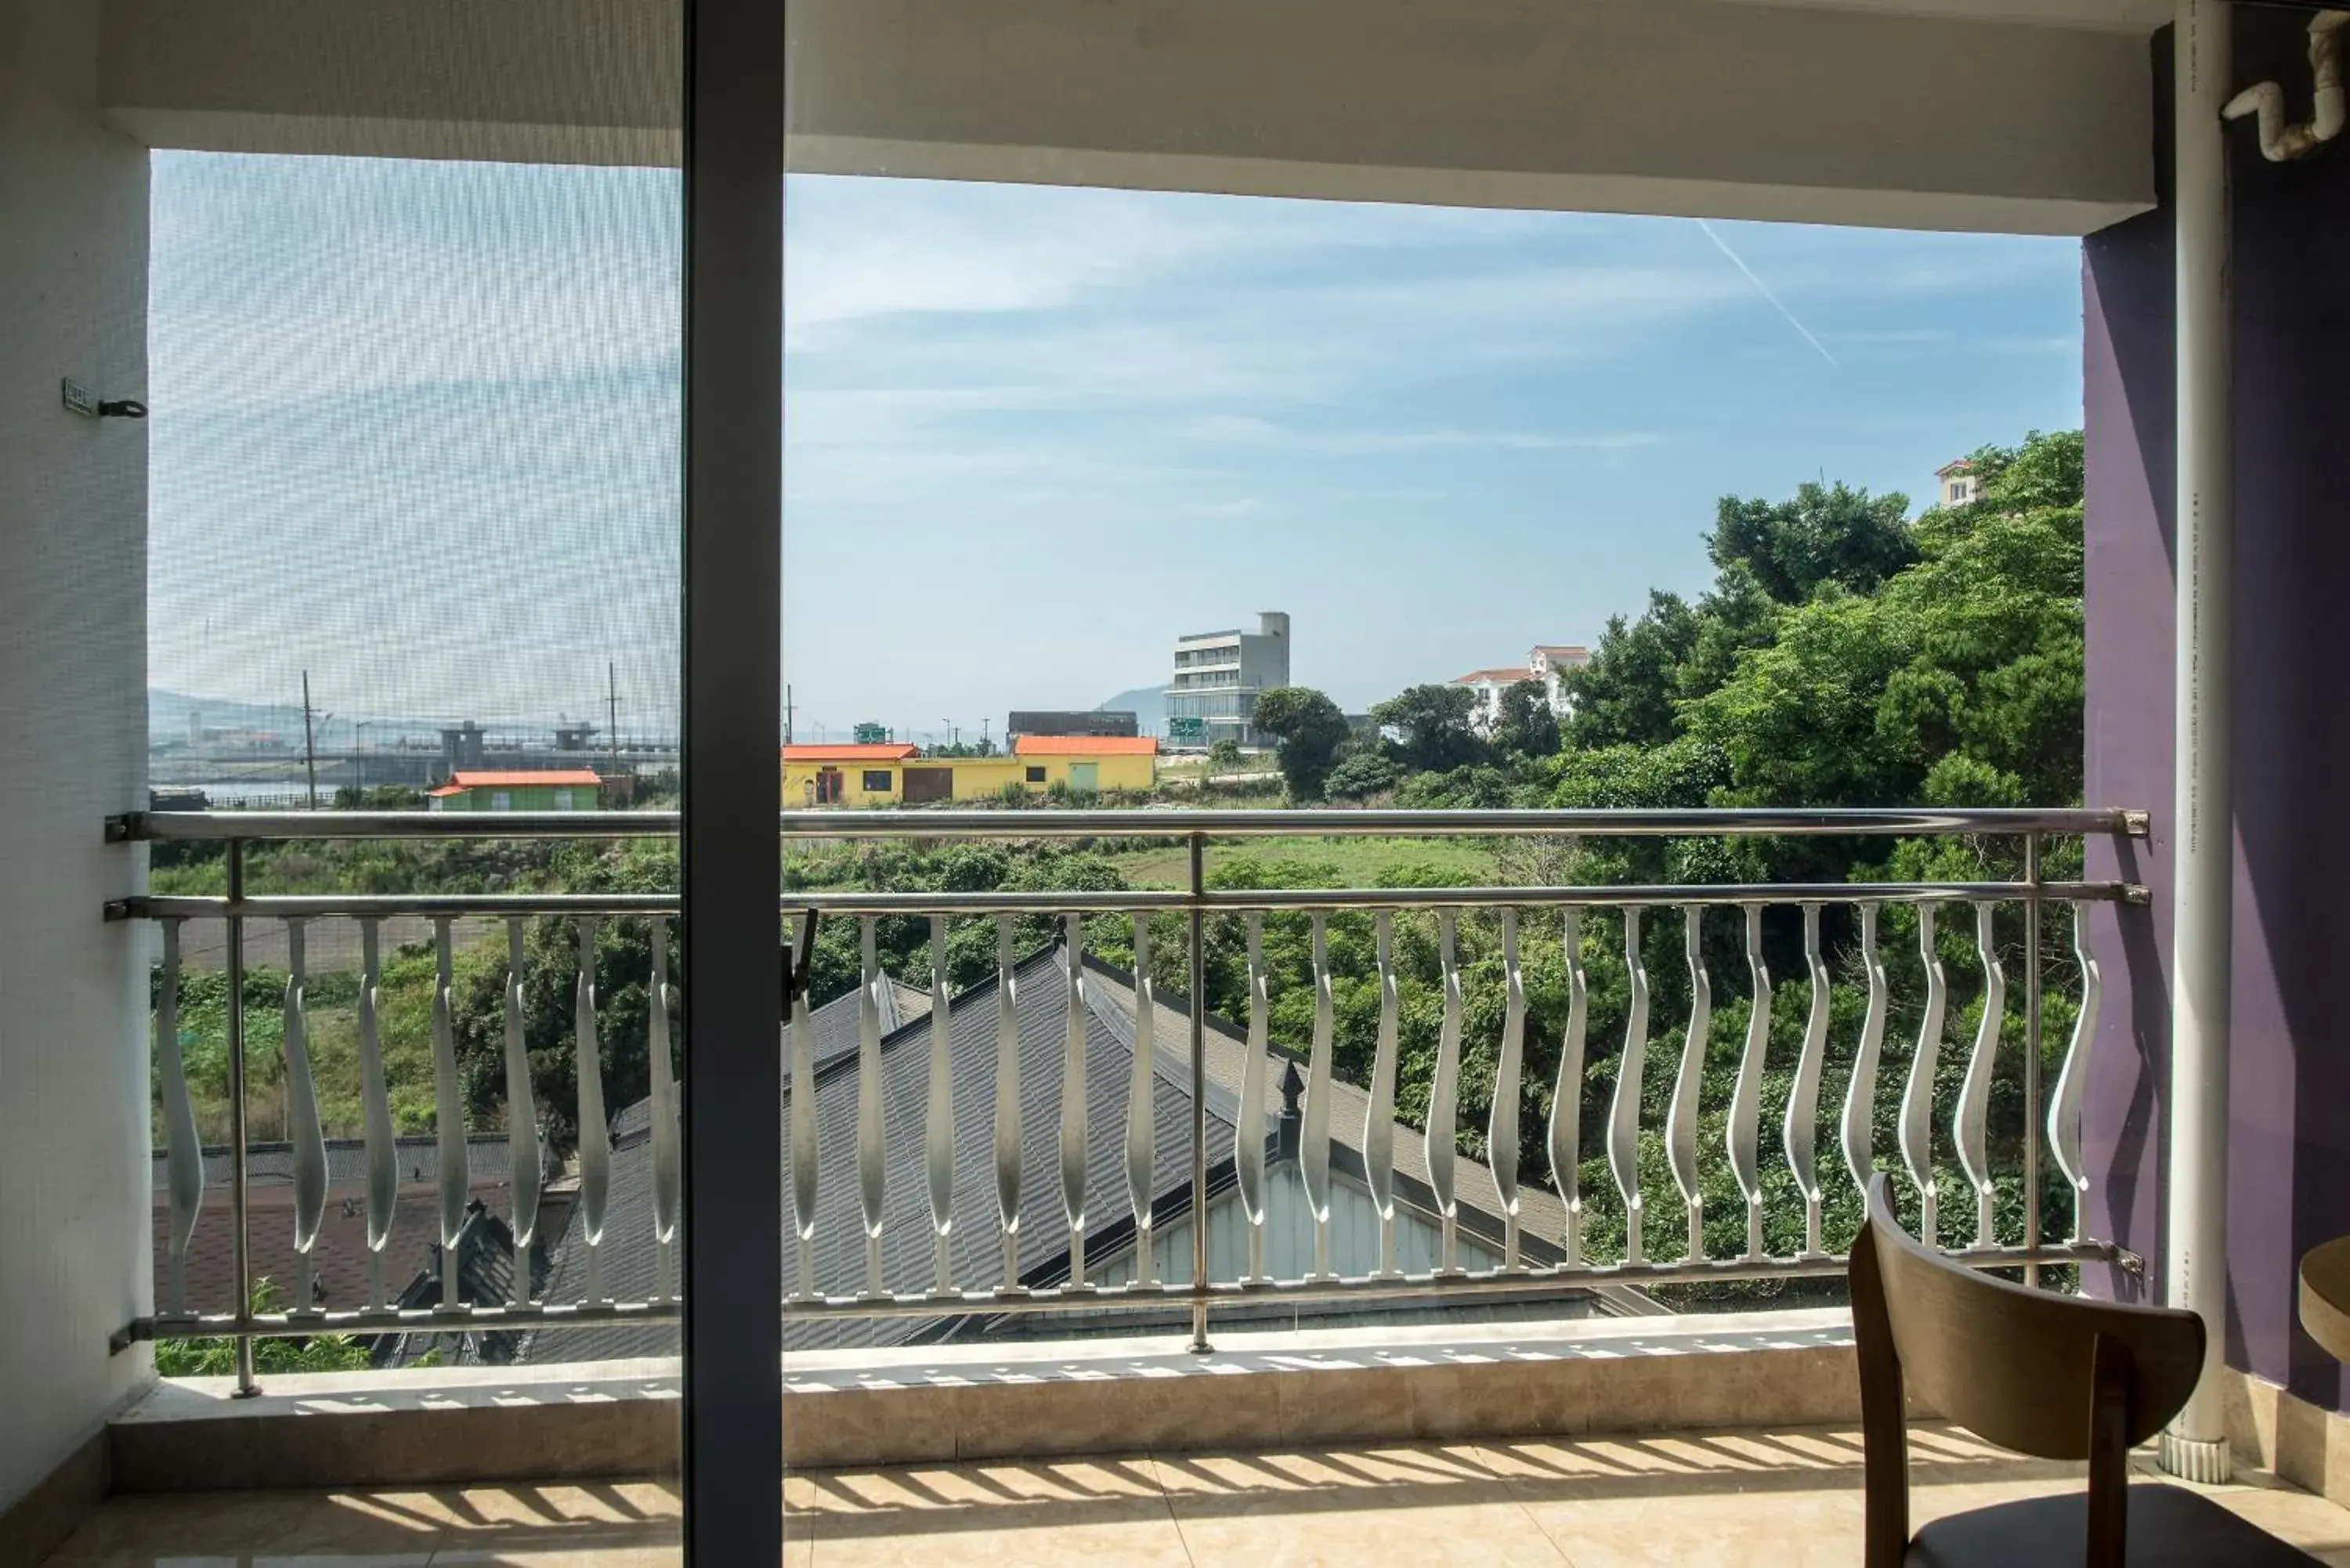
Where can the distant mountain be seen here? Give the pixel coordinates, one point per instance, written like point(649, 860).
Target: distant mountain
point(1147, 704)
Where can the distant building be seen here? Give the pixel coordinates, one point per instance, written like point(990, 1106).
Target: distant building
point(1955, 482)
point(1093, 722)
point(546, 789)
point(1488, 685)
point(1218, 675)
point(898, 775)
point(462, 748)
point(1547, 662)
point(867, 773)
point(1550, 662)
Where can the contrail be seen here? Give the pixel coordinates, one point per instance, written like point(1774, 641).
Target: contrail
point(1765, 290)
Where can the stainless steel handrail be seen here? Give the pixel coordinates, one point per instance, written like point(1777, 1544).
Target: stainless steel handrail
point(1724, 895)
point(1150, 822)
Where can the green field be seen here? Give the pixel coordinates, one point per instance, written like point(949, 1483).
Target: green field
point(1360, 862)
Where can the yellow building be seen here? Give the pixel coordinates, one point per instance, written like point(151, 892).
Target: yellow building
point(895, 775)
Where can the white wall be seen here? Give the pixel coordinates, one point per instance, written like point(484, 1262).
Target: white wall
point(74, 1169)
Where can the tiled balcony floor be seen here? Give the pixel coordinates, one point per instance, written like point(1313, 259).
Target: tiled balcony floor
point(1720, 1498)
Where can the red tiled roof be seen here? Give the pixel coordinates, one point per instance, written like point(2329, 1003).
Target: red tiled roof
point(878, 751)
point(1502, 677)
point(560, 778)
point(1961, 465)
point(1084, 746)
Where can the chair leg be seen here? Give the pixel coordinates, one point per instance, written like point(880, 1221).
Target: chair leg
point(1884, 1423)
point(2109, 1501)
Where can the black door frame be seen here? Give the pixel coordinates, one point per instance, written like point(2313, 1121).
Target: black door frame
point(733, 1441)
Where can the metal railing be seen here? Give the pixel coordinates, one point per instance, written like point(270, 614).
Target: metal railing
point(1522, 1262)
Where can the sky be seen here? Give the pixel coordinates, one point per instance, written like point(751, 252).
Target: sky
point(415, 428)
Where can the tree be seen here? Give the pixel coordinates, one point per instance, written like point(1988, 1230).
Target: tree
point(1224, 756)
point(1525, 726)
point(1827, 534)
point(1438, 725)
point(1309, 728)
point(1363, 774)
point(1625, 696)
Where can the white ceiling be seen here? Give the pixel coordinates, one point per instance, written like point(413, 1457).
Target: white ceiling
point(2120, 16)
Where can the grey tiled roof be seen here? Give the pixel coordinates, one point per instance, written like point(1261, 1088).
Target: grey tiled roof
point(1041, 997)
point(1041, 992)
point(836, 1036)
point(417, 1157)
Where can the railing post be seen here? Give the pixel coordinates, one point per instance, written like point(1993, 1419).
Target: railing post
point(1199, 1016)
point(2032, 1053)
point(242, 1247)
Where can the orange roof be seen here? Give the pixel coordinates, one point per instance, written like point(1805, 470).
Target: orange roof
point(1084, 746)
point(1498, 677)
point(849, 752)
point(560, 778)
point(1961, 465)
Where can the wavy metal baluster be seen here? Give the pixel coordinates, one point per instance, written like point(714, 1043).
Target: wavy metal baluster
point(1800, 1134)
point(1971, 1123)
point(1566, 1097)
point(1745, 1133)
point(522, 1117)
point(799, 1039)
point(1624, 1113)
point(1008, 1103)
point(1860, 1094)
point(1141, 1123)
point(2072, 1080)
point(669, 1152)
point(938, 1133)
point(1443, 1096)
point(448, 1111)
point(184, 1156)
point(1314, 1135)
point(595, 1127)
point(1501, 1123)
point(303, 1132)
point(1378, 1111)
point(872, 1167)
point(1073, 1099)
point(382, 1151)
point(1917, 1097)
point(1680, 1119)
point(1248, 1135)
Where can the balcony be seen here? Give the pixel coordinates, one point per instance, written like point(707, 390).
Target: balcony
point(1486, 1244)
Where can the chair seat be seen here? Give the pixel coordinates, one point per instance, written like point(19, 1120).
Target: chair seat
point(2168, 1528)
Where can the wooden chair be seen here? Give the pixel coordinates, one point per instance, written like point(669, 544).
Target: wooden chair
point(2054, 1376)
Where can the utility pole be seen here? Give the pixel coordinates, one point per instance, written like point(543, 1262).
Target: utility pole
point(309, 742)
point(787, 712)
point(612, 714)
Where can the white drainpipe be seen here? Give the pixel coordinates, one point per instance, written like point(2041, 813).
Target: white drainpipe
point(2202, 815)
point(2279, 141)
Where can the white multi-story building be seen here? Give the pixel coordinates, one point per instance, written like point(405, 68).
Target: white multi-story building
point(1547, 662)
point(1218, 675)
point(1488, 685)
point(1954, 482)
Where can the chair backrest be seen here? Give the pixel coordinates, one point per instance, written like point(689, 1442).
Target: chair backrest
point(2012, 1365)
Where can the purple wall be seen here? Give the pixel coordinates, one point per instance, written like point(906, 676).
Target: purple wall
point(2289, 1174)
